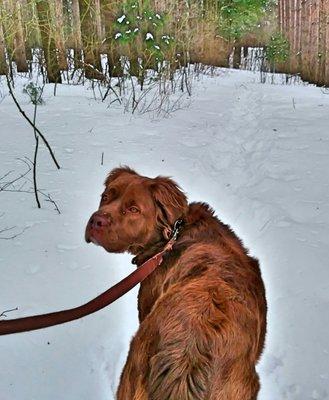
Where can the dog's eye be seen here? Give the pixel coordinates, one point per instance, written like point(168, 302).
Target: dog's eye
point(105, 197)
point(134, 209)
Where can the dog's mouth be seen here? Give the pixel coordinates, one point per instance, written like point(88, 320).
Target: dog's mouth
point(108, 240)
point(93, 240)
point(95, 236)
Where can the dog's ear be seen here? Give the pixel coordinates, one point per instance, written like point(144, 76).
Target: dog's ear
point(116, 172)
point(171, 203)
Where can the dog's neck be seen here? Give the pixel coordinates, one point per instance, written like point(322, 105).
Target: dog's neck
point(159, 244)
point(201, 225)
point(151, 287)
point(148, 252)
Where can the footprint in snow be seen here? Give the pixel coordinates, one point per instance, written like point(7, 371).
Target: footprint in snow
point(319, 394)
point(32, 269)
point(64, 247)
point(272, 363)
point(282, 224)
point(291, 390)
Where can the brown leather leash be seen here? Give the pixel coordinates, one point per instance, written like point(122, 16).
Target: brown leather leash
point(101, 301)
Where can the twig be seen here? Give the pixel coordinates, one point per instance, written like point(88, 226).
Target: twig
point(5, 175)
point(11, 183)
point(7, 229)
point(36, 149)
point(31, 123)
point(109, 87)
point(3, 314)
point(10, 187)
point(13, 236)
point(51, 201)
point(35, 171)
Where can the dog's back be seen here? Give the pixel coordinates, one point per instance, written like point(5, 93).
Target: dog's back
point(202, 320)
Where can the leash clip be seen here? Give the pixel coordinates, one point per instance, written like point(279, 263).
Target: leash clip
point(177, 227)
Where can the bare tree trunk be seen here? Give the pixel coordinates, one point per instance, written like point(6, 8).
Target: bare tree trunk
point(292, 36)
point(314, 44)
point(57, 14)
point(98, 20)
point(48, 42)
point(28, 14)
point(305, 39)
point(237, 57)
point(3, 62)
point(89, 10)
point(8, 29)
point(20, 52)
point(288, 32)
point(322, 43)
point(280, 17)
point(14, 33)
point(110, 47)
point(75, 40)
point(298, 34)
point(282, 67)
point(76, 30)
point(326, 12)
point(308, 41)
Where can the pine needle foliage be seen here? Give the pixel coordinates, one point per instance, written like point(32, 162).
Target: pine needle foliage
point(238, 17)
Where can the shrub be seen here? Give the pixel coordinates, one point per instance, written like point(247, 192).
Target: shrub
point(238, 17)
point(141, 33)
point(34, 92)
point(277, 51)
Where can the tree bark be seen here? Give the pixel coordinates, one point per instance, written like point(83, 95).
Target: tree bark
point(20, 51)
point(304, 39)
point(326, 12)
point(3, 62)
point(111, 48)
point(237, 57)
point(57, 15)
point(48, 42)
point(91, 38)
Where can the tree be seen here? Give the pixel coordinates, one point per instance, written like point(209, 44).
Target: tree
point(238, 17)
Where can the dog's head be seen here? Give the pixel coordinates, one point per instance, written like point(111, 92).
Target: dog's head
point(135, 211)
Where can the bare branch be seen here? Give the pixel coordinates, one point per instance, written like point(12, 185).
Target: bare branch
point(51, 201)
point(10, 186)
point(5, 175)
point(13, 236)
point(31, 123)
point(3, 314)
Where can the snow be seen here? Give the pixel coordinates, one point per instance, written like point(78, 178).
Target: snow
point(121, 19)
point(258, 153)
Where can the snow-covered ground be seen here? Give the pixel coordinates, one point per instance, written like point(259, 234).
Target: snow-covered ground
point(259, 154)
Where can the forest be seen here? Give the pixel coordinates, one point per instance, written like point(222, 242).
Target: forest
point(163, 36)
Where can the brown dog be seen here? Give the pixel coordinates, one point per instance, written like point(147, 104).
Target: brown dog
point(202, 312)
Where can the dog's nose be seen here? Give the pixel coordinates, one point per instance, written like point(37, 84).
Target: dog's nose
point(98, 221)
